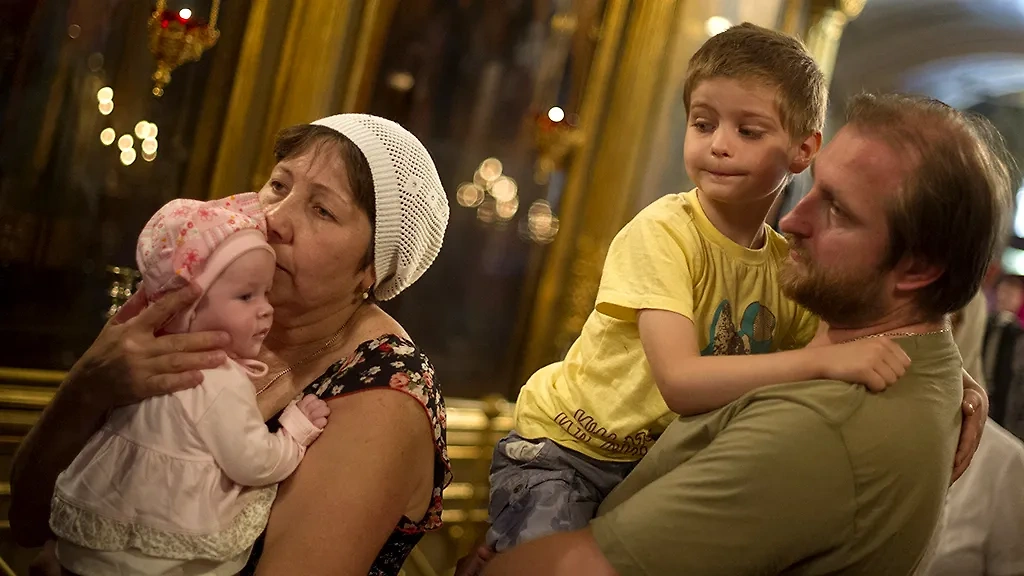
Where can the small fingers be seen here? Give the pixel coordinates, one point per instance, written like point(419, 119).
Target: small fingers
point(305, 402)
point(321, 410)
point(319, 422)
point(875, 382)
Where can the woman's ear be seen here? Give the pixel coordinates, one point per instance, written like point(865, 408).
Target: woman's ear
point(368, 281)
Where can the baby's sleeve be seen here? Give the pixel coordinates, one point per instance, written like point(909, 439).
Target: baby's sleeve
point(238, 439)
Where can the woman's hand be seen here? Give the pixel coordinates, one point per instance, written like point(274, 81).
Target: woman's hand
point(128, 362)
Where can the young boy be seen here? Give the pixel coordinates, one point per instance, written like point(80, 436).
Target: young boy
point(693, 277)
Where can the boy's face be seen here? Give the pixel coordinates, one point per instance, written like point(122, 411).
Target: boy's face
point(237, 303)
point(736, 149)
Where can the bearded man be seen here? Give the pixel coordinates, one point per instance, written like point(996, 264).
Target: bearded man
point(824, 477)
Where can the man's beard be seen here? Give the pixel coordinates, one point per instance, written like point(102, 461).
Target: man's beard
point(837, 297)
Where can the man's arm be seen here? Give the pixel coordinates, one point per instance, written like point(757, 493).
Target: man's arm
point(565, 554)
point(774, 488)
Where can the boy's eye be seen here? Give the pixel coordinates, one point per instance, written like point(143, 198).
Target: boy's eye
point(749, 133)
point(702, 126)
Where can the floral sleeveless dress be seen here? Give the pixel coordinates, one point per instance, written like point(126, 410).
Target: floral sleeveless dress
point(389, 362)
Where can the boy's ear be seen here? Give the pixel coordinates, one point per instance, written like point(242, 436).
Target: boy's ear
point(805, 153)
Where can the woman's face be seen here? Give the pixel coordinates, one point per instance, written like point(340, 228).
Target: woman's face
point(320, 235)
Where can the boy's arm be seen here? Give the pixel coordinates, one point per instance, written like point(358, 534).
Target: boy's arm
point(693, 384)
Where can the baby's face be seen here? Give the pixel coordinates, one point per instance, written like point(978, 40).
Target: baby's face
point(237, 303)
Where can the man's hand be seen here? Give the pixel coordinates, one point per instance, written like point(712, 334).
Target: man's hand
point(975, 409)
point(473, 564)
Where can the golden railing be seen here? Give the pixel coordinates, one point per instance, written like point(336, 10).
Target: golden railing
point(474, 426)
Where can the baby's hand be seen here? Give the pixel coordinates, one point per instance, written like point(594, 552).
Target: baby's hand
point(315, 409)
point(874, 362)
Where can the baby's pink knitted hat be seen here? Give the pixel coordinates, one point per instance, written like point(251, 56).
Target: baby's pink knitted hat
point(194, 241)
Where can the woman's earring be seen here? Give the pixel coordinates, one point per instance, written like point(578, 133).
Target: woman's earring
point(366, 295)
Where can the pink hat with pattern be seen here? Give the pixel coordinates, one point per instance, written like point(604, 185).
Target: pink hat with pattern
point(194, 241)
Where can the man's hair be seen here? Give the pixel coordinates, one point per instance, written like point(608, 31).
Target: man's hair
point(951, 208)
point(750, 52)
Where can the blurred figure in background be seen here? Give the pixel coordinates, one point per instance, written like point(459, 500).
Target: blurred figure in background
point(982, 529)
point(1003, 359)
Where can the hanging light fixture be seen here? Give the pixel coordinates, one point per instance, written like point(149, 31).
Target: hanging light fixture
point(176, 38)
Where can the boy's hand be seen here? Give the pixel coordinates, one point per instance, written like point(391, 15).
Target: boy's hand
point(315, 409)
point(874, 362)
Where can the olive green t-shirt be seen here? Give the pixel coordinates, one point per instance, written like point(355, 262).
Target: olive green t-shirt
point(817, 477)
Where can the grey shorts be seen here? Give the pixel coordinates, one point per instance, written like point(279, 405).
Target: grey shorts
point(539, 488)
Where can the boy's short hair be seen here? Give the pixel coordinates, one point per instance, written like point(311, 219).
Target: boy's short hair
point(750, 52)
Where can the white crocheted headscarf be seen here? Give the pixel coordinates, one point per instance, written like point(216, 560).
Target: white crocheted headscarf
point(411, 205)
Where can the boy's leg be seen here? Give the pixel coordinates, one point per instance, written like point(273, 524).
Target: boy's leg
point(540, 488)
point(573, 487)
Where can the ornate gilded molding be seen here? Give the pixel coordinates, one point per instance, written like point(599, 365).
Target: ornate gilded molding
point(825, 27)
point(603, 177)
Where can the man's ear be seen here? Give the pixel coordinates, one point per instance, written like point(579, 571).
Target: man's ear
point(913, 273)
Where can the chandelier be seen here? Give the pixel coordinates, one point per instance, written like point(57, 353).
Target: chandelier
point(176, 38)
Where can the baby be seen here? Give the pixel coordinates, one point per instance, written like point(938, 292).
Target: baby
point(183, 483)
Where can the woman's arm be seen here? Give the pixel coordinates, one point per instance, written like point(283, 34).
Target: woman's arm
point(335, 513)
point(125, 364)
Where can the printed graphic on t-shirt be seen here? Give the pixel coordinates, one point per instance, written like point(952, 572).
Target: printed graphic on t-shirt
point(754, 335)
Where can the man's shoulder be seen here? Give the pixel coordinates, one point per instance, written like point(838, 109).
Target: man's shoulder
point(829, 401)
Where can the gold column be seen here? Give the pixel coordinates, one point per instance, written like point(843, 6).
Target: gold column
point(605, 174)
point(300, 60)
point(825, 28)
point(369, 47)
point(792, 20)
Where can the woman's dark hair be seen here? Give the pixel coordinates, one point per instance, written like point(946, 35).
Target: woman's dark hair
point(295, 140)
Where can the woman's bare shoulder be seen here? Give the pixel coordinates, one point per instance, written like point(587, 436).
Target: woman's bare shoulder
point(376, 323)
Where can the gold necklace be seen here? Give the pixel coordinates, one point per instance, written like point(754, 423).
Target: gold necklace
point(898, 334)
point(322, 349)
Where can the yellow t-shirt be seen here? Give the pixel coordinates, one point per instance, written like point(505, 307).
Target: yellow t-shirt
point(602, 399)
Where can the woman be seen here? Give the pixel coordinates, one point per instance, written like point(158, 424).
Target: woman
point(356, 213)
